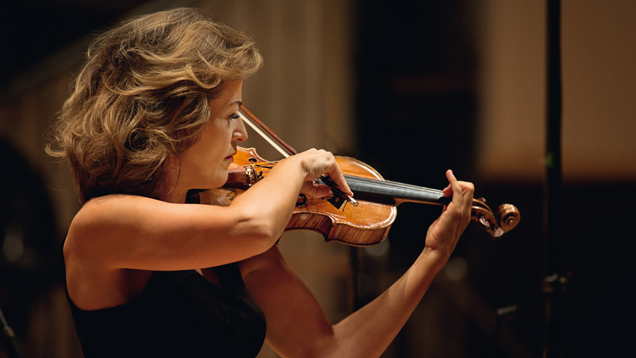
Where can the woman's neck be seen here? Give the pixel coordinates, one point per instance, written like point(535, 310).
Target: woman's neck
point(172, 191)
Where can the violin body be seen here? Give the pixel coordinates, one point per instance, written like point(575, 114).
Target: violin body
point(365, 224)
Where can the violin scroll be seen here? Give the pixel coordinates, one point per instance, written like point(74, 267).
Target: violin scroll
point(507, 218)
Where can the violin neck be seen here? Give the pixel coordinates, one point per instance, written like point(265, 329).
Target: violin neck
point(389, 192)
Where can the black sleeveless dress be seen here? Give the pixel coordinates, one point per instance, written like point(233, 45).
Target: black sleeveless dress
point(179, 314)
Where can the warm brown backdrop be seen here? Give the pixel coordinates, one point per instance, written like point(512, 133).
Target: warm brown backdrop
point(482, 98)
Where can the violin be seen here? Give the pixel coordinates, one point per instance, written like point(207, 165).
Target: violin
point(361, 222)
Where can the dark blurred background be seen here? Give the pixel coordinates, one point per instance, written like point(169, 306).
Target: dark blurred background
point(410, 87)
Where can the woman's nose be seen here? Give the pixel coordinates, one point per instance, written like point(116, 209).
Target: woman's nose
point(240, 132)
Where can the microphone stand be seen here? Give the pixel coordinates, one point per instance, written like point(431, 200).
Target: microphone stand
point(8, 339)
point(554, 284)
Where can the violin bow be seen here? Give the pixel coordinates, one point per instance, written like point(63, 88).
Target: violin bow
point(287, 150)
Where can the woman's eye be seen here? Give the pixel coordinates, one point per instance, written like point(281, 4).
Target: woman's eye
point(235, 116)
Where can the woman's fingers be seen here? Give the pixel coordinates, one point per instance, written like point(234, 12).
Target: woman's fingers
point(461, 191)
point(339, 178)
point(320, 162)
point(316, 190)
point(444, 233)
point(462, 198)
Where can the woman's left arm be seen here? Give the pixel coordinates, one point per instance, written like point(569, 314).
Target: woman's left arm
point(297, 326)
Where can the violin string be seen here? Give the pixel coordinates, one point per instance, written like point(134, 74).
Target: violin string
point(393, 184)
point(353, 179)
point(267, 165)
point(415, 187)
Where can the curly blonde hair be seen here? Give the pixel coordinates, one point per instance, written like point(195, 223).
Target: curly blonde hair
point(143, 95)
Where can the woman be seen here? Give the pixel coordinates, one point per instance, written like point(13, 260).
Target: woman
point(152, 117)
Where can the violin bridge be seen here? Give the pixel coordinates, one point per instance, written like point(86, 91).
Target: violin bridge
point(338, 201)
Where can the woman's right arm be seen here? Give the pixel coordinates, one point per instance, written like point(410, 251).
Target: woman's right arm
point(133, 232)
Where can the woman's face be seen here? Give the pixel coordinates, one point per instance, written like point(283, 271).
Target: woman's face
point(205, 164)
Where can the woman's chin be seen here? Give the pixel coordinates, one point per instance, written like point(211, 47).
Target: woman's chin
point(221, 180)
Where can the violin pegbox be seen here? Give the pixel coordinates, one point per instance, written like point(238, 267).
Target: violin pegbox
point(507, 217)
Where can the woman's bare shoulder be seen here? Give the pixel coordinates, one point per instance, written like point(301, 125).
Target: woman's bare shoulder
point(108, 206)
point(107, 213)
point(90, 246)
point(99, 216)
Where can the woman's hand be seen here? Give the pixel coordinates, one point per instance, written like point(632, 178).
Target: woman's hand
point(444, 233)
point(315, 163)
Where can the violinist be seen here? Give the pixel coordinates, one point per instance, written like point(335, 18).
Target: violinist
point(152, 117)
